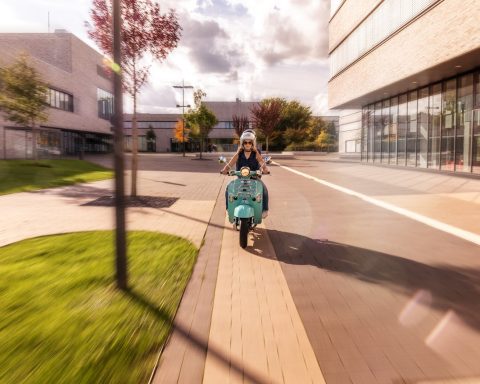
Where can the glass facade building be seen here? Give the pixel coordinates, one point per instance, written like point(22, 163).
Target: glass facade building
point(435, 126)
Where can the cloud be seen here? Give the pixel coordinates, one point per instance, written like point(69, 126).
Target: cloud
point(208, 44)
point(294, 31)
point(230, 48)
point(220, 8)
point(196, 30)
point(320, 104)
point(210, 62)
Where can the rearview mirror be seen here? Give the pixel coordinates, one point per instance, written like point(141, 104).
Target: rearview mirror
point(267, 159)
point(222, 160)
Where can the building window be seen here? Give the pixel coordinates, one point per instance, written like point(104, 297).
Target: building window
point(422, 128)
point(463, 139)
point(224, 125)
point(371, 112)
point(448, 125)
point(60, 100)
point(386, 130)
point(402, 129)
point(105, 104)
point(412, 129)
point(393, 130)
point(378, 128)
point(476, 127)
point(390, 16)
point(437, 127)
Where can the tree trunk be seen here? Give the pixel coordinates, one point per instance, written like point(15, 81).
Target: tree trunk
point(201, 146)
point(134, 147)
point(266, 139)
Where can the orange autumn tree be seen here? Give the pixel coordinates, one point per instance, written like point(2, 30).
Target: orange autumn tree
point(178, 132)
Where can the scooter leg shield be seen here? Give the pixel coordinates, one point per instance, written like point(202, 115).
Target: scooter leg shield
point(243, 211)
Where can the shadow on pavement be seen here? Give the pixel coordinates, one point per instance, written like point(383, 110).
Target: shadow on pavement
point(163, 162)
point(76, 191)
point(198, 342)
point(451, 288)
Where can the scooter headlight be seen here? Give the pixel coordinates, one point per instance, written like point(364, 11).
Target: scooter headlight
point(245, 171)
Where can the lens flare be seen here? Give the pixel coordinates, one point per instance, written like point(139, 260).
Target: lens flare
point(416, 309)
point(455, 341)
point(111, 65)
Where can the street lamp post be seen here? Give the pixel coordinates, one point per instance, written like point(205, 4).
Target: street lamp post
point(183, 86)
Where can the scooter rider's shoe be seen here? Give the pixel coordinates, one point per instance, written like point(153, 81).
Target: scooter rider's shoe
point(264, 214)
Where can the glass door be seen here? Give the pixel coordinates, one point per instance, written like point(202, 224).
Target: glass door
point(476, 141)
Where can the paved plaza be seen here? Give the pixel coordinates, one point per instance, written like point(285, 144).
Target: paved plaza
point(334, 286)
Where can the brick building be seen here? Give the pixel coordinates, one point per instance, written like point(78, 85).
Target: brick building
point(163, 125)
point(80, 96)
point(410, 68)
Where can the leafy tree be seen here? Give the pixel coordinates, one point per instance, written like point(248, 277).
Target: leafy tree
point(145, 31)
point(319, 126)
point(295, 122)
point(180, 133)
point(316, 126)
point(295, 116)
point(200, 120)
point(240, 124)
point(267, 117)
point(23, 97)
point(295, 136)
point(325, 140)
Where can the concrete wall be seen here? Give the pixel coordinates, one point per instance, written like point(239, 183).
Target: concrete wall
point(66, 64)
point(15, 144)
point(448, 30)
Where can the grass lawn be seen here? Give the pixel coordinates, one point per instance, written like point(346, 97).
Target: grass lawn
point(29, 175)
point(63, 321)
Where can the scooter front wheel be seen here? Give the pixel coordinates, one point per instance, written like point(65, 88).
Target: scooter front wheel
point(244, 227)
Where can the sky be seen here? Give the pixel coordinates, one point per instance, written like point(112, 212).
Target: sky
point(246, 49)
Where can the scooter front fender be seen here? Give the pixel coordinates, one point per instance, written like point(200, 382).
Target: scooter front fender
point(243, 211)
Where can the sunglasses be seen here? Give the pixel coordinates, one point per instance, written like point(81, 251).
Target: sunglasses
point(247, 142)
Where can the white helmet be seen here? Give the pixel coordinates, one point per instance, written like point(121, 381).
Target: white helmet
point(248, 134)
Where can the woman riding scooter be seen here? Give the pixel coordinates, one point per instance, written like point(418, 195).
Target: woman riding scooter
point(249, 156)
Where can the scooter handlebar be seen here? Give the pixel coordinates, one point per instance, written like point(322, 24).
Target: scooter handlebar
point(252, 173)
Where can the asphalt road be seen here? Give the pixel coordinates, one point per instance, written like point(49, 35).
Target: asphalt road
point(384, 298)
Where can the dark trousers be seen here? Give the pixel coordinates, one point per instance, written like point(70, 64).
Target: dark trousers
point(264, 199)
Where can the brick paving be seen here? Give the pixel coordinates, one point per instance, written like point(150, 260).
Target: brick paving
point(332, 288)
point(383, 299)
point(183, 360)
point(255, 323)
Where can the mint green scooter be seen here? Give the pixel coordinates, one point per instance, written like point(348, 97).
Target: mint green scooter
point(244, 201)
